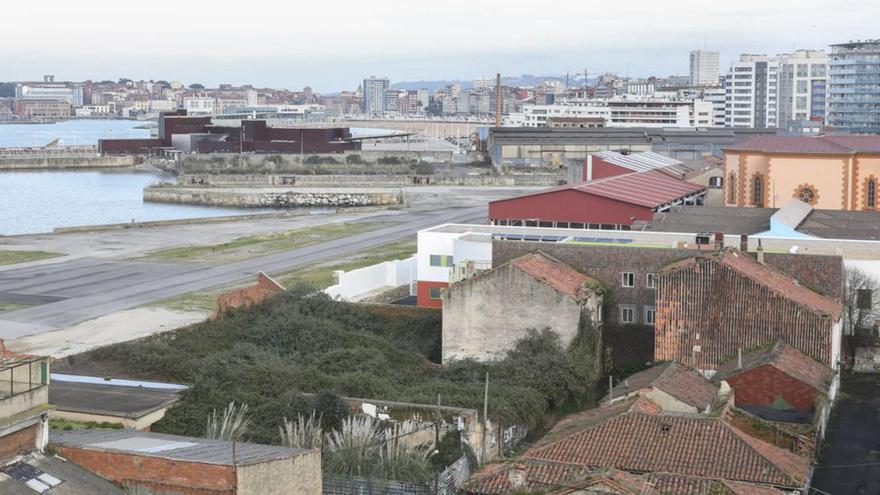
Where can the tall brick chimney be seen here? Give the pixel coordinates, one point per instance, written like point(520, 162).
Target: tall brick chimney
point(719, 241)
point(744, 243)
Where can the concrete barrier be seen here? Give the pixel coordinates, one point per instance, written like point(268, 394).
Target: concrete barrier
point(377, 180)
point(272, 198)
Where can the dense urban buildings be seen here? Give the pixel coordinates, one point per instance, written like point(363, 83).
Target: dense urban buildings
point(854, 86)
point(704, 68)
point(374, 99)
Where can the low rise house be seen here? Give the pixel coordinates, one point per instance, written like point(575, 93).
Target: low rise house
point(779, 383)
point(24, 404)
point(671, 386)
point(51, 475)
point(678, 453)
point(484, 315)
point(152, 464)
point(710, 307)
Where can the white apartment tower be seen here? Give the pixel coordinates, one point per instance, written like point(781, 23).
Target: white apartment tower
point(768, 92)
point(374, 100)
point(704, 68)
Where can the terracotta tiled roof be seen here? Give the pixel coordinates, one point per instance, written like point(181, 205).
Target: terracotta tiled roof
point(810, 144)
point(693, 446)
point(680, 382)
point(770, 277)
point(556, 479)
point(690, 485)
point(785, 358)
point(747, 489)
point(553, 272)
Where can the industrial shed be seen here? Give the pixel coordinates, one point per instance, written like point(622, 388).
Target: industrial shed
point(611, 203)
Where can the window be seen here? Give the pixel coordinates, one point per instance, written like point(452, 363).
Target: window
point(441, 260)
point(434, 293)
point(872, 193)
point(716, 182)
point(628, 279)
point(627, 314)
point(649, 281)
point(758, 190)
point(807, 195)
point(731, 188)
point(650, 315)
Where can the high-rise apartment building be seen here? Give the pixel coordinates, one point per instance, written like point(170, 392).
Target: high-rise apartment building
point(704, 68)
point(768, 92)
point(854, 87)
point(375, 95)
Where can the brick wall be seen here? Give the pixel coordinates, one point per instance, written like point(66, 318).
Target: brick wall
point(18, 443)
point(763, 385)
point(823, 274)
point(153, 474)
point(248, 296)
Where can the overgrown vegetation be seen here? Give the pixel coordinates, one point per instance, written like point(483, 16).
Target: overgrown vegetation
point(67, 425)
point(301, 342)
point(13, 257)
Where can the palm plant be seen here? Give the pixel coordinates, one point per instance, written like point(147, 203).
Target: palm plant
point(354, 448)
point(232, 425)
point(403, 458)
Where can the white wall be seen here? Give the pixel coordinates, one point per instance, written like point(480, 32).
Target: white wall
point(358, 283)
point(434, 243)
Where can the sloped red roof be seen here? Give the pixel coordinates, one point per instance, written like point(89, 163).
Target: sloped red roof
point(766, 275)
point(553, 272)
point(690, 485)
point(785, 358)
point(556, 479)
point(810, 144)
point(679, 381)
point(687, 445)
point(650, 189)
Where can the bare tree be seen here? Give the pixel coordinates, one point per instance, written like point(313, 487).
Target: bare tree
point(861, 319)
point(232, 425)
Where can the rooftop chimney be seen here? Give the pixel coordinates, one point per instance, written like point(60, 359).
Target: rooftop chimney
point(739, 358)
point(499, 101)
point(517, 477)
point(719, 241)
point(744, 243)
point(760, 252)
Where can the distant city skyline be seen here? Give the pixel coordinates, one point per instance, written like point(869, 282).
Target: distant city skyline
point(268, 44)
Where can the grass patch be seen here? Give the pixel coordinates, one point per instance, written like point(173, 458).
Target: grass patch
point(321, 275)
point(260, 245)
point(6, 308)
point(67, 425)
point(13, 257)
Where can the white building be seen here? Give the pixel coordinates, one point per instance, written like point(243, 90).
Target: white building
point(73, 96)
point(704, 68)
point(199, 105)
point(375, 90)
point(620, 112)
point(483, 83)
point(764, 91)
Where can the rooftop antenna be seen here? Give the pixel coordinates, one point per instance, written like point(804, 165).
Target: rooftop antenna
point(499, 104)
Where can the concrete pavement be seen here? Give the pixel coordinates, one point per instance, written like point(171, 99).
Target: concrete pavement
point(80, 288)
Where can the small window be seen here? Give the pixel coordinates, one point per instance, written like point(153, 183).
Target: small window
point(872, 193)
point(434, 293)
point(628, 279)
point(807, 195)
point(716, 182)
point(649, 281)
point(441, 260)
point(758, 190)
point(627, 314)
point(731, 188)
point(650, 315)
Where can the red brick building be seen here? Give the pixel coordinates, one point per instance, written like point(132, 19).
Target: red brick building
point(777, 382)
point(151, 463)
point(709, 307)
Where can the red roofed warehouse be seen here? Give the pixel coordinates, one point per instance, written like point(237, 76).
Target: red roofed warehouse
point(611, 203)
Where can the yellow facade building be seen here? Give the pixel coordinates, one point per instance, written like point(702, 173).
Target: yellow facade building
point(828, 172)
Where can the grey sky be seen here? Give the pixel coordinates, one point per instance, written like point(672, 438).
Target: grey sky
point(331, 45)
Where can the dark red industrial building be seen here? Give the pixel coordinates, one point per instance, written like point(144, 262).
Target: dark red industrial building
point(611, 203)
point(198, 134)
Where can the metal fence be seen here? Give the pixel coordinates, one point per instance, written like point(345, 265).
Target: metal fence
point(448, 483)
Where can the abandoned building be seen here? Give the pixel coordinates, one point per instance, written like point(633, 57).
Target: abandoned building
point(484, 315)
point(671, 386)
point(712, 306)
point(779, 383)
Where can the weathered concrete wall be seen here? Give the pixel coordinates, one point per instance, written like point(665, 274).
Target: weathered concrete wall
point(867, 360)
point(368, 180)
point(52, 163)
point(485, 315)
point(262, 198)
point(669, 403)
point(300, 475)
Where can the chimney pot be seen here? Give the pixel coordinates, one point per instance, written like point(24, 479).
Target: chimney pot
point(760, 252)
point(719, 241)
point(739, 358)
point(744, 243)
point(517, 477)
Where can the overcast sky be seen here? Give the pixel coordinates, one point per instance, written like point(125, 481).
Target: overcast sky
point(331, 45)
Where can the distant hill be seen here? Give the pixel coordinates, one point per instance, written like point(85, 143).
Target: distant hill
point(521, 80)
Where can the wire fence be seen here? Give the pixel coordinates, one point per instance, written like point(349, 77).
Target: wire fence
point(447, 484)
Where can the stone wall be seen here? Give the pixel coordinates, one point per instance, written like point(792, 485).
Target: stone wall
point(246, 297)
point(258, 198)
point(53, 163)
point(867, 360)
point(367, 180)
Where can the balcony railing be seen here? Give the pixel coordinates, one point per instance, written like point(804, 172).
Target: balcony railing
point(467, 269)
point(23, 384)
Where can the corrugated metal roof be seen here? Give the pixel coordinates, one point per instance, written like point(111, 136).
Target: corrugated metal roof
point(171, 446)
point(810, 144)
point(792, 213)
point(650, 189)
point(640, 162)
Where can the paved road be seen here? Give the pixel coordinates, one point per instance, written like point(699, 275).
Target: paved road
point(85, 288)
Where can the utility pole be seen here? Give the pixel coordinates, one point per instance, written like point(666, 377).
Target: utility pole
point(485, 421)
point(499, 101)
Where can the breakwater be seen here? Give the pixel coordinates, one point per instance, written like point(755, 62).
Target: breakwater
point(272, 198)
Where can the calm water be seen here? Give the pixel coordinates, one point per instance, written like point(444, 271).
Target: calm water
point(34, 202)
point(71, 132)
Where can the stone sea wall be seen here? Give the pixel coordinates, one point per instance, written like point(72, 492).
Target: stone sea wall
point(378, 180)
point(260, 198)
point(61, 162)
